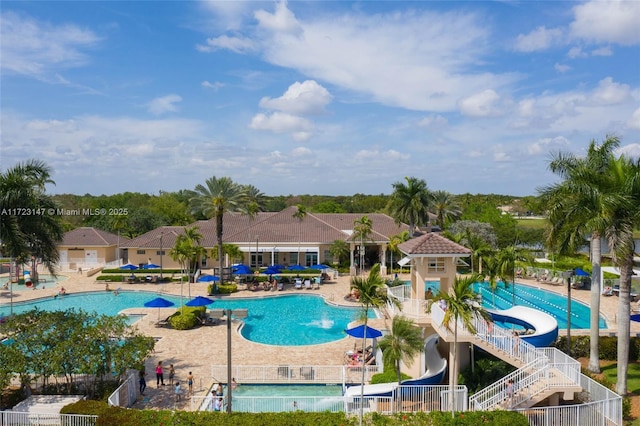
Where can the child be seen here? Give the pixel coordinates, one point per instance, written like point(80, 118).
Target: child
point(190, 383)
point(178, 391)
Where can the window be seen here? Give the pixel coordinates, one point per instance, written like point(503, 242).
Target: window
point(311, 259)
point(141, 252)
point(158, 253)
point(256, 261)
point(436, 264)
point(294, 257)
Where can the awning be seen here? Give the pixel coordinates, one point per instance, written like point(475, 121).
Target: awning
point(404, 261)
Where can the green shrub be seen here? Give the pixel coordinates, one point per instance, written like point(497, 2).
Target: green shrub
point(486, 371)
point(226, 288)
point(187, 317)
point(388, 376)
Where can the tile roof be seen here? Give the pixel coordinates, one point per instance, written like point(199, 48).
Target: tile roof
point(432, 244)
point(277, 227)
point(88, 236)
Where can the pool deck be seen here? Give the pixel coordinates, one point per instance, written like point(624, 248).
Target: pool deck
point(198, 349)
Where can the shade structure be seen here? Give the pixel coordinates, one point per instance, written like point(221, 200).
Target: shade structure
point(358, 332)
point(272, 270)
point(580, 273)
point(199, 301)
point(129, 267)
point(320, 266)
point(296, 268)
point(635, 317)
point(151, 266)
point(159, 302)
point(241, 270)
point(208, 278)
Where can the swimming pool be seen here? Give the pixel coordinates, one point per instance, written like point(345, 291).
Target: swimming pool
point(279, 398)
point(546, 301)
point(285, 320)
point(44, 281)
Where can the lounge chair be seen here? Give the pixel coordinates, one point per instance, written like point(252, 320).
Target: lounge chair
point(280, 286)
point(284, 371)
point(307, 372)
point(298, 284)
point(316, 285)
point(307, 284)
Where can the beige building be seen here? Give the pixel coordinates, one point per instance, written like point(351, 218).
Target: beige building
point(275, 238)
point(86, 247)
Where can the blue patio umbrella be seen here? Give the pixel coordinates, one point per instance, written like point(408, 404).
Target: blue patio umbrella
point(159, 302)
point(129, 267)
point(199, 301)
point(271, 270)
point(208, 278)
point(296, 268)
point(358, 332)
point(320, 266)
point(635, 317)
point(150, 266)
point(580, 273)
point(241, 270)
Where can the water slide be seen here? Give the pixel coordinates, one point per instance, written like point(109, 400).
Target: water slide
point(436, 368)
point(27, 279)
point(543, 328)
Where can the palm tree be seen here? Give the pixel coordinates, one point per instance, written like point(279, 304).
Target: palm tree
point(190, 241)
point(445, 207)
point(460, 308)
point(24, 236)
point(217, 197)
point(402, 344)
point(394, 242)
point(300, 214)
point(362, 229)
point(507, 258)
point(491, 270)
point(577, 207)
point(339, 249)
point(478, 247)
point(410, 203)
point(372, 295)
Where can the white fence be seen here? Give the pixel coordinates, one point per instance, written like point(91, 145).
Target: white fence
point(15, 418)
point(126, 394)
point(275, 404)
point(410, 399)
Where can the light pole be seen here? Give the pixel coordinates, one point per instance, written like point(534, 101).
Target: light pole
point(257, 241)
point(238, 313)
point(567, 275)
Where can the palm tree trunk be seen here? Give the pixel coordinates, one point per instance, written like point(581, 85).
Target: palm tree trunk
point(364, 342)
point(594, 319)
point(624, 324)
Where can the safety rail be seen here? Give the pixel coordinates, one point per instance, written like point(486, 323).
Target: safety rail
point(126, 394)
point(275, 404)
point(409, 398)
point(44, 419)
point(400, 292)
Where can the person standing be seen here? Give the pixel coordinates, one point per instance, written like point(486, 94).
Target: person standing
point(190, 383)
point(177, 391)
point(172, 374)
point(142, 381)
point(510, 393)
point(159, 374)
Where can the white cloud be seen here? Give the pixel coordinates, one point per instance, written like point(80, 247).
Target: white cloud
point(539, 39)
point(603, 51)
point(377, 155)
point(283, 20)
point(561, 68)
point(164, 104)
point(576, 52)
point(301, 151)
point(432, 68)
point(634, 121)
point(632, 150)
point(609, 92)
point(607, 21)
point(279, 122)
point(35, 47)
point(483, 104)
point(231, 14)
point(544, 145)
point(214, 86)
point(236, 44)
point(434, 121)
point(304, 98)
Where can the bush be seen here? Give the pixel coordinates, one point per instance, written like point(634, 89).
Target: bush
point(187, 318)
point(388, 376)
point(487, 371)
point(226, 288)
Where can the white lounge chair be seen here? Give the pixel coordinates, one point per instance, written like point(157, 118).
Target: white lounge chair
point(298, 284)
point(307, 284)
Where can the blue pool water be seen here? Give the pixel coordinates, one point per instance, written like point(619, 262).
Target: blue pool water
point(546, 301)
point(288, 390)
point(264, 398)
point(287, 320)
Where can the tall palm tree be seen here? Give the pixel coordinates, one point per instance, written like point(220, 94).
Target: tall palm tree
point(445, 207)
point(460, 309)
point(507, 258)
point(372, 295)
point(403, 343)
point(300, 214)
point(410, 203)
point(217, 197)
point(190, 242)
point(394, 242)
point(478, 246)
point(362, 229)
point(22, 235)
point(577, 206)
point(491, 270)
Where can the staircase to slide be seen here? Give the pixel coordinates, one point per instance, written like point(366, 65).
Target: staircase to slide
point(542, 372)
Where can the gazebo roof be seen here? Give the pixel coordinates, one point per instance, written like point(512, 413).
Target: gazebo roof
point(433, 245)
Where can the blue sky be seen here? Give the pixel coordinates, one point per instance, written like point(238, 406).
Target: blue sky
point(329, 97)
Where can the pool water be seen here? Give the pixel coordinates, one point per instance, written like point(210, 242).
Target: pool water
point(279, 398)
point(546, 301)
point(288, 390)
point(287, 320)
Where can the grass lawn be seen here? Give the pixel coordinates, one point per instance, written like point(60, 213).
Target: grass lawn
point(633, 376)
point(533, 223)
